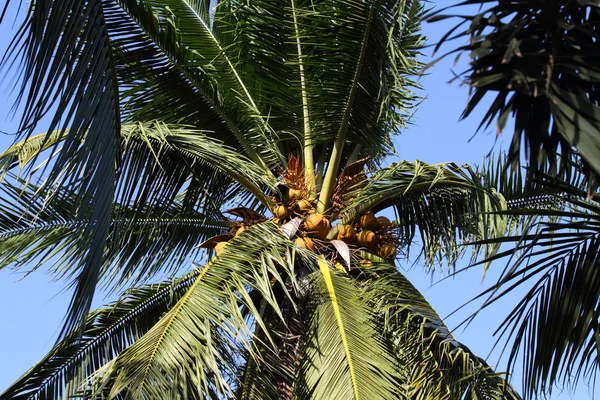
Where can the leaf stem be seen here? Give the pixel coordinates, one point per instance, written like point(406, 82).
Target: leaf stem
point(338, 147)
point(309, 164)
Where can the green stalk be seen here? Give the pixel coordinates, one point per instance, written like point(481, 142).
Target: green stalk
point(309, 164)
point(354, 155)
point(334, 162)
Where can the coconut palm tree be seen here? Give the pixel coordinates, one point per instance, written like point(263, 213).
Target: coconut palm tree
point(246, 139)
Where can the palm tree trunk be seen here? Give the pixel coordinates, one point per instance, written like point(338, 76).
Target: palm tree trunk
point(291, 339)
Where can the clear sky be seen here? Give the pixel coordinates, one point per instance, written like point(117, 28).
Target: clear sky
point(31, 309)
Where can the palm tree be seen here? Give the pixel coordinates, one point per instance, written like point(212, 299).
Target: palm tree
point(257, 130)
point(538, 61)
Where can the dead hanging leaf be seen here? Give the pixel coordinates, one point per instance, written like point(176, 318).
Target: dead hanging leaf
point(343, 250)
point(247, 214)
point(355, 168)
point(349, 179)
point(290, 228)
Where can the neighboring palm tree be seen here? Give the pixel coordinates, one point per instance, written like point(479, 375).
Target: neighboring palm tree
point(279, 114)
point(553, 253)
point(540, 61)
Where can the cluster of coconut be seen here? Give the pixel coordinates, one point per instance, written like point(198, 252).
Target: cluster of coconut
point(371, 232)
point(293, 204)
point(315, 226)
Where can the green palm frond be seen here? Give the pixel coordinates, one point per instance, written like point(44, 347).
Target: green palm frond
point(33, 233)
point(553, 254)
point(67, 66)
point(436, 365)
point(181, 29)
point(360, 76)
point(198, 339)
point(165, 142)
point(443, 203)
point(171, 155)
point(343, 357)
point(539, 61)
point(108, 331)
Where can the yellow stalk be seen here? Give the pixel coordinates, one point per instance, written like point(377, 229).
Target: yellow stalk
point(336, 309)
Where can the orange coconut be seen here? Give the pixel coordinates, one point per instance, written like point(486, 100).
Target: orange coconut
point(303, 205)
point(368, 221)
point(305, 243)
point(367, 238)
point(346, 233)
point(293, 195)
point(317, 225)
point(387, 250)
point(280, 212)
point(383, 223)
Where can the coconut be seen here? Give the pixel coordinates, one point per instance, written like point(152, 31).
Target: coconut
point(280, 212)
point(346, 233)
point(317, 225)
point(305, 243)
point(387, 250)
point(220, 246)
point(303, 205)
point(383, 223)
point(367, 238)
point(368, 221)
point(293, 195)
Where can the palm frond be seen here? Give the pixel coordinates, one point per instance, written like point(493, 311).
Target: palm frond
point(343, 357)
point(554, 255)
point(198, 339)
point(108, 331)
point(33, 233)
point(435, 364)
point(163, 141)
point(181, 29)
point(66, 65)
point(443, 202)
point(539, 61)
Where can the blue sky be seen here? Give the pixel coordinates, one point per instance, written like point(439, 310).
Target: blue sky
point(32, 308)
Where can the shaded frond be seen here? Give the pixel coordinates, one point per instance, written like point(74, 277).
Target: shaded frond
point(435, 365)
point(555, 325)
point(539, 62)
point(66, 65)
